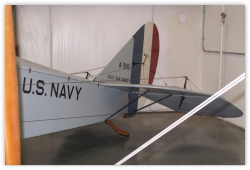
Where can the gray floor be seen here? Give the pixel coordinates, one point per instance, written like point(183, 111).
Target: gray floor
point(200, 140)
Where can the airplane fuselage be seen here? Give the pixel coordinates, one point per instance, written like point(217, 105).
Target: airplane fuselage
point(52, 101)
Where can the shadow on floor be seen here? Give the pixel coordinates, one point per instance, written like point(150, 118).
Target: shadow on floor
point(200, 140)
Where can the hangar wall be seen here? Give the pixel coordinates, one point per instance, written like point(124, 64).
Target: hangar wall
point(34, 33)
point(78, 38)
point(233, 64)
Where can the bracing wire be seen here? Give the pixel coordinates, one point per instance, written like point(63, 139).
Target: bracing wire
point(143, 73)
point(194, 85)
point(94, 76)
point(157, 72)
point(94, 82)
point(110, 72)
point(80, 72)
point(159, 75)
point(190, 84)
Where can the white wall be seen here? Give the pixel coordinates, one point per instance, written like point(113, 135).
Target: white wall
point(234, 28)
point(77, 38)
point(34, 33)
point(86, 37)
point(233, 65)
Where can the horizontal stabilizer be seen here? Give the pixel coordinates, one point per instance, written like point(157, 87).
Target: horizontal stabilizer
point(182, 100)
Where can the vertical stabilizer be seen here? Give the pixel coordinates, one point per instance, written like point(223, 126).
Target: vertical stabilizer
point(119, 68)
point(135, 63)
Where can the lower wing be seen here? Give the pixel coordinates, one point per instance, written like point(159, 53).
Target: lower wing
point(181, 100)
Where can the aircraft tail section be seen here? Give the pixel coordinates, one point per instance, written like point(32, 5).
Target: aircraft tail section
point(119, 68)
point(136, 62)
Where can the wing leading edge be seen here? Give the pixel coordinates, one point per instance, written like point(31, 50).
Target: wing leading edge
point(182, 100)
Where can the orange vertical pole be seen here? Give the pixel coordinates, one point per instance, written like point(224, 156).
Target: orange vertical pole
point(12, 124)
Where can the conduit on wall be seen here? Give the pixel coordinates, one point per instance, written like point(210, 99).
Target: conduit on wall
point(221, 42)
point(209, 19)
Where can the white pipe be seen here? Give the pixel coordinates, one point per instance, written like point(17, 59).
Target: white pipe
point(183, 118)
point(221, 45)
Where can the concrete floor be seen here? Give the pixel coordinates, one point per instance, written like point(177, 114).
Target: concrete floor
point(200, 140)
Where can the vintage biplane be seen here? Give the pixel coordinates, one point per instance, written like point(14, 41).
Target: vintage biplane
point(52, 101)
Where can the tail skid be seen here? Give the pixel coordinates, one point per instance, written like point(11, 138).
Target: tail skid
point(119, 131)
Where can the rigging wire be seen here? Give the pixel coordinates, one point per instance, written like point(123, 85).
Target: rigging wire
point(94, 76)
point(190, 84)
point(174, 77)
point(146, 56)
point(90, 82)
point(157, 72)
point(143, 73)
point(88, 70)
point(110, 72)
point(194, 85)
point(94, 82)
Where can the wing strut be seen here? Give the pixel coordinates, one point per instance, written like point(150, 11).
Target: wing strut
point(185, 84)
point(128, 115)
point(112, 125)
